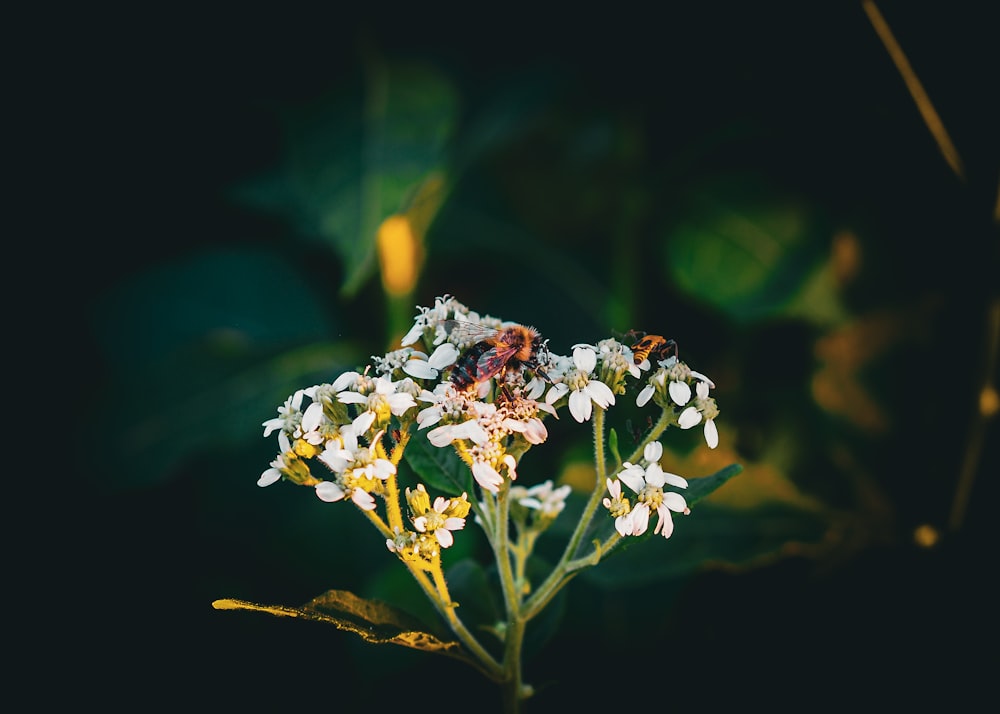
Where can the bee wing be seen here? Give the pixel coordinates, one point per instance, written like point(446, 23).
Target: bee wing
point(493, 360)
point(465, 332)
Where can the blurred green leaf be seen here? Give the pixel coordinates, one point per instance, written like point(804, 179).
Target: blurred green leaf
point(200, 353)
point(356, 158)
point(699, 488)
point(711, 536)
point(472, 587)
point(752, 251)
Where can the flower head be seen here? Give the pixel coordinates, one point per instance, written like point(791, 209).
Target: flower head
point(583, 388)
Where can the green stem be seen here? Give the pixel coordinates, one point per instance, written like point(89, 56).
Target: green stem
point(560, 573)
point(658, 428)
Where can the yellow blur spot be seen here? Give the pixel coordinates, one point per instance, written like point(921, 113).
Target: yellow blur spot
point(926, 536)
point(989, 401)
point(580, 475)
point(400, 255)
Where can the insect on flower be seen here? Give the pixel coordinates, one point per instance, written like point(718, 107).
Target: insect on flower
point(495, 351)
point(651, 346)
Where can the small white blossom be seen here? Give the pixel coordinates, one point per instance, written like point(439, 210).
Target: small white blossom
point(583, 391)
point(430, 368)
point(648, 484)
point(619, 508)
point(289, 415)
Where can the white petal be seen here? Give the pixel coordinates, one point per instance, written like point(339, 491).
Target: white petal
point(556, 392)
point(580, 405)
point(711, 434)
point(703, 378)
point(344, 381)
point(414, 334)
point(419, 369)
point(329, 491)
point(349, 397)
point(420, 523)
point(312, 416)
point(623, 524)
point(363, 422)
point(665, 526)
point(384, 469)
point(429, 417)
point(269, 477)
point(640, 519)
point(614, 488)
point(585, 359)
point(454, 524)
point(535, 388)
point(400, 402)
point(486, 476)
point(675, 480)
point(600, 393)
point(654, 475)
point(363, 500)
point(688, 418)
point(272, 424)
point(336, 458)
point(511, 466)
point(444, 537)
point(675, 502)
point(645, 395)
point(443, 356)
point(472, 430)
point(653, 451)
point(680, 392)
point(634, 477)
point(442, 435)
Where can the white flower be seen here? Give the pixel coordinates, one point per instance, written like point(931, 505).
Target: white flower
point(273, 474)
point(331, 492)
point(544, 498)
point(471, 430)
point(619, 508)
point(437, 522)
point(583, 391)
point(692, 415)
point(648, 484)
point(680, 392)
point(488, 477)
point(384, 394)
point(288, 414)
point(429, 368)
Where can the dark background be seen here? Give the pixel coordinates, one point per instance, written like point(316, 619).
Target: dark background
point(623, 124)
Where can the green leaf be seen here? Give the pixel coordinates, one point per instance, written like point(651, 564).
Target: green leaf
point(699, 488)
point(752, 251)
point(354, 159)
point(373, 621)
point(613, 446)
point(471, 586)
point(439, 467)
point(711, 536)
point(200, 353)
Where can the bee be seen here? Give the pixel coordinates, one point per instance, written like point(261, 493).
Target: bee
point(651, 346)
point(495, 351)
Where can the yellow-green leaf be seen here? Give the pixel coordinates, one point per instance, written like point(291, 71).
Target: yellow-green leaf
point(373, 621)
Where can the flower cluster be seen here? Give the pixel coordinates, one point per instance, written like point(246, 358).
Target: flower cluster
point(646, 481)
point(357, 427)
point(464, 397)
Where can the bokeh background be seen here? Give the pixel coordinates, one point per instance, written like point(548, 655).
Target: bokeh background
point(757, 182)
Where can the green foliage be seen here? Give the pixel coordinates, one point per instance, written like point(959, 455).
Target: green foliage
point(441, 469)
point(360, 157)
